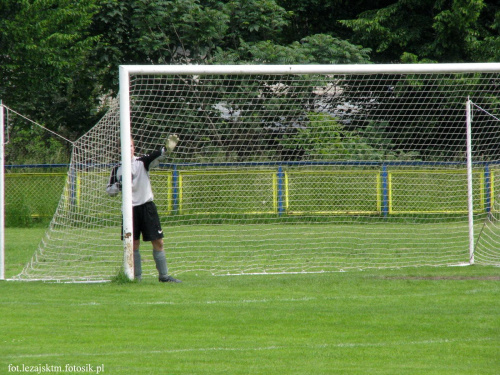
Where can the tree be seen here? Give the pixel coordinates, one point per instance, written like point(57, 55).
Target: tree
point(206, 32)
point(179, 31)
point(44, 69)
point(315, 49)
point(439, 30)
point(58, 67)
point(154, 32)
point(311, 17)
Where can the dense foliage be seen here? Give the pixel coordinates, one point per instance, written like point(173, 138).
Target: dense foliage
point(59, 58)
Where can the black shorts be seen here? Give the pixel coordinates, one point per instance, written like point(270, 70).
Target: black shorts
point(147, 222)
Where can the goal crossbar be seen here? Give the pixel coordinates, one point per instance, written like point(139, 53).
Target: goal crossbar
point(312, 69)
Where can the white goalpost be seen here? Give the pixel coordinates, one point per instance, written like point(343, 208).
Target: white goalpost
point(470, 188)
point(2, 195)
point(125, 134)
point(287, 169)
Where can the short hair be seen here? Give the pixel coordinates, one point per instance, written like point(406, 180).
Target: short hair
point(119, 143)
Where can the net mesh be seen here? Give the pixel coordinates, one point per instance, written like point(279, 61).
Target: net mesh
point(279, 173)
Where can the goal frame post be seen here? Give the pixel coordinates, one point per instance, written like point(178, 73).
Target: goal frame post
point(126, 156)
point(125, 71)
point(470, 205)
point(2, 193)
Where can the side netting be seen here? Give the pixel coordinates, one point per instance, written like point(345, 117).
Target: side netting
point(486, 247)
point(284, 170)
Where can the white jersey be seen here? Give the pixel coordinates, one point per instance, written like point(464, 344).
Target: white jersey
point(141, 184)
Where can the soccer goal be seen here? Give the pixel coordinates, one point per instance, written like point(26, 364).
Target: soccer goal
point(289, 169)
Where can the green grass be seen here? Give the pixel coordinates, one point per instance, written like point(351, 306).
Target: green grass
point(406, 321)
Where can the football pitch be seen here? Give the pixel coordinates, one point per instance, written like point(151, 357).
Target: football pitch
point(427, 320)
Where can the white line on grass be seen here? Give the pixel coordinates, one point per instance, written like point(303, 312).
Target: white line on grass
point(251, 349)
point(227, 302)
point(222, 302)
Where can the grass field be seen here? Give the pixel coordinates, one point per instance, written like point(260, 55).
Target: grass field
point(406, 321)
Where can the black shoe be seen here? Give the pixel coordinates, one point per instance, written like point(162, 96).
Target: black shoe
point(168, 279)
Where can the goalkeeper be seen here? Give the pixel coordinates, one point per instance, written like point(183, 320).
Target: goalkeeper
point(145, 214)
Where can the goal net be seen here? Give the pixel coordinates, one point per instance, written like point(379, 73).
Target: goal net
point(287, 169)
point(486, 246)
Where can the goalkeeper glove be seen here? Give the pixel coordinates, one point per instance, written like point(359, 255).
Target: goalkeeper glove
point(171, 142)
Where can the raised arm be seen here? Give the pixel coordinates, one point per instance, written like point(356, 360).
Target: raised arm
point(152, 160)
